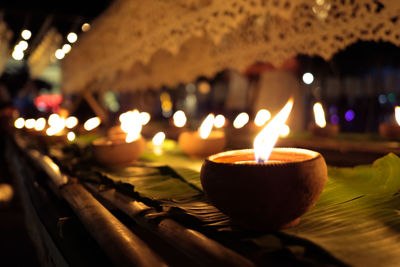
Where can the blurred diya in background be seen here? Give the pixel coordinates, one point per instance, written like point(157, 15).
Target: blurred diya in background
point(123, 144)
point(203, 142)
point(320, 127)
point(391, 131)
point(265, 188)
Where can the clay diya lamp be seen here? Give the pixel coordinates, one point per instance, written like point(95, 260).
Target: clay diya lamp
point(330, 130)
point(320, 128)
point(195, 146)
point(391, 131)
point(265, 188)
point(123, 145)
point(204, 142)
point(116, 151)
point(51, 134)
point(264, 196)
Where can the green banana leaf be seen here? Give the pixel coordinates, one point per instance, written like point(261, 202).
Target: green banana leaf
point(356, 219)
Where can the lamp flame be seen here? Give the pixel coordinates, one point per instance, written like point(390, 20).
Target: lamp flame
point(144, 117)
point(30, 123)
point(241, 120)
point(40, 124)
point(71, 136)
point(158, 139)
point(19, 123)
point(57, 124)
point(92, 123)
point(53, 118)
point(262, 117)
point(71, 122)
point(319, 115)
point(397, 114)
point(219, 121)
point(179, 118)
point(206, 126)
point(285, 131)
point(266, 139)
point(131, 124)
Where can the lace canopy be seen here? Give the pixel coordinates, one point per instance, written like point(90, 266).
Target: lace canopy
point(147, 44)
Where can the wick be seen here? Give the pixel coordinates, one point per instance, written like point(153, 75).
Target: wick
point(259, 160)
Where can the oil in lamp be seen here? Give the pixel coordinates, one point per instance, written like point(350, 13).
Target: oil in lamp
point(391, 131)
point(124, 144)
point(320, 128)
point(204, 142)
point(265, 188)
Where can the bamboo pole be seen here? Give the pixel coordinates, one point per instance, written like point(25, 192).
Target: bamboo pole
point(119, 243)
point(192, 243)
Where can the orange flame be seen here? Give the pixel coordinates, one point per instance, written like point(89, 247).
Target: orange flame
point(319, 115)
point(206, 126)
point(266, 139)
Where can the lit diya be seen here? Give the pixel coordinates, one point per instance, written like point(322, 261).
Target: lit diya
point(203, 142)
point(124, 144)
point(391, 131)
point(320, 127)
point(51, 131)
point(265, 188)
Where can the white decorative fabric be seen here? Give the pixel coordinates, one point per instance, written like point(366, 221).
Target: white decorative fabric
point(43, 54)
point(147, 44)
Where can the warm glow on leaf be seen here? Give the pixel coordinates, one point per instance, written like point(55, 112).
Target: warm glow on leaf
point(92, 123)
point(319, 115)
point(206, 126)
point(179, 118)
point(266, 139)
point(241, 120)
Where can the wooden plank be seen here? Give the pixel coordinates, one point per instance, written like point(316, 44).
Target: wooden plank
point(192, 243)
